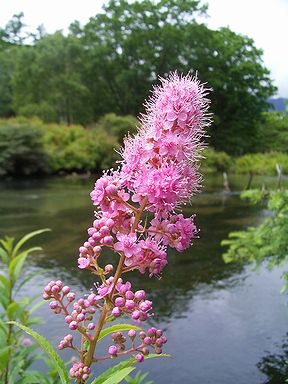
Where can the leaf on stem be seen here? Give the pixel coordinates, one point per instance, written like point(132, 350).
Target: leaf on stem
point(27, 237)
point(102, 379)
point(47, 347)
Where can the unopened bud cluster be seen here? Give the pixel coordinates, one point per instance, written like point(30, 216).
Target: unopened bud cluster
point(80, 371)
point(152, 339)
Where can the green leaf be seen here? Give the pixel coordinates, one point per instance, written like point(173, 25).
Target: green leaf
point(118, 376)
point(4, 356)
point(4, 256)
point(117, 328)
point(27, 237)
point(17, 263)
point(124, 364)
point(34, 377)
point(7, 244)
point(5, 283)
point(4, 301)
point(115, 375)
point(14, 310)
point(110, 371)
point(47, 347)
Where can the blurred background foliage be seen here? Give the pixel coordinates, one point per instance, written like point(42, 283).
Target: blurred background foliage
point(80, 91)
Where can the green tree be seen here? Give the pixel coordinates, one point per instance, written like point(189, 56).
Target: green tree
point(131, 43)
point(273, 132)
point(8, 54)
point(266, 243)
point(48, 80)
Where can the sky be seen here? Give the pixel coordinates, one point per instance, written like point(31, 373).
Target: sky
point(266, 21)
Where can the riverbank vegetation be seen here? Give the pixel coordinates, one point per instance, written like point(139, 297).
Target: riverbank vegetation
point(31, 147)
point(109, 65)
point(67, 100)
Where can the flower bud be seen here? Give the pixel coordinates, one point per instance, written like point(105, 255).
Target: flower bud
point(68, 319)
point(116, 311)
point(132, 333)
point(129, 304)
point(139, 357)
point(135, 314)
point(91, 326)
point(108, 268)
point(129, 295)
point(53, 305)
point(73, 325)
point(140, 295)
point(112, 350)
point(119, 302)
point(108, 240)
point(65, 290)
point(147, 340)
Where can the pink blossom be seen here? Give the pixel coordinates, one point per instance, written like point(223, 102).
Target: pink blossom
point(127, 244)
point(83, 263)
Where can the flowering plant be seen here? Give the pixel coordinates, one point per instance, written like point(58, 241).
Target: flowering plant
point(138, 216)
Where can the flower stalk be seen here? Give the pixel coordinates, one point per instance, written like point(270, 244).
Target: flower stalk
point(158, 174)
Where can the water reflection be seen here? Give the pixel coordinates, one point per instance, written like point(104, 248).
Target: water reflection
point(275, 365)
point(217, 316)
point(65, 207)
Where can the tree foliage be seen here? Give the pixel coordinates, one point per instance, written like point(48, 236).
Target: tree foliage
point(273, 132)
point(108, 65)
point(266, 242)
point(51, 85)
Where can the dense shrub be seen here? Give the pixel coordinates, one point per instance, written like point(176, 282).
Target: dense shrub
point(21, 150)
point(74, 148)
point(261, 163)
point(28, 146)
point(216, 161)
point(118, 126)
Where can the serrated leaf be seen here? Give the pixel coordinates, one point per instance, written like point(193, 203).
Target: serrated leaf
point(117, 328)
point(47, 347)
point(27, 237)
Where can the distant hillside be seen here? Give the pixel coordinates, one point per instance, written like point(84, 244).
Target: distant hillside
point(280, 104)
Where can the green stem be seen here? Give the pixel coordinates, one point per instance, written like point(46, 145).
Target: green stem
point(10, 327)
point(102, 318)
point(101, 321)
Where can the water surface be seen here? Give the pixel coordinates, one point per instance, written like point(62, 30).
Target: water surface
point(222, 321)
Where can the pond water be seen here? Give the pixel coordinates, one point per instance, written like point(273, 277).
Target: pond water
point(222, 321)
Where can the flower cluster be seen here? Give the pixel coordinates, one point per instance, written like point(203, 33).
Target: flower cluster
point(159, 172)
point(138, 216)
